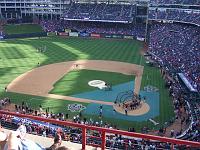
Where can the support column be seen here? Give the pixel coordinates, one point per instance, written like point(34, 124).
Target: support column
point(83, 138)
point(103, 140)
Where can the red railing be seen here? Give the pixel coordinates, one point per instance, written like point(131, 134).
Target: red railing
point(103, 132)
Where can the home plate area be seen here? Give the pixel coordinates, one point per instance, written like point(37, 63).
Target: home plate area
point(151, 99)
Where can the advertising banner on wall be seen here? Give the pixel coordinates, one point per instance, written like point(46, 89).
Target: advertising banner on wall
point(51, 34)
point(18, 120)
point(95, 35)
point(74, 34)
point(67, 30)
point(140, 39)
point(128, 37)
point(1, 37)
point(84, 34)
point(108, 36)
point(117, 36)
point(63, 34)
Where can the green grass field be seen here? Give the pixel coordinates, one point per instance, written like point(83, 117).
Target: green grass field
point(22, 28)
point(68, 86)
point(20, 55)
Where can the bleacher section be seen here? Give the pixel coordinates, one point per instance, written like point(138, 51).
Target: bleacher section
point(136, 30)
point(177, 46)
point(2, 22)
point(182, 2)
point(100, 12)
point(109, 138)
point(175, 14)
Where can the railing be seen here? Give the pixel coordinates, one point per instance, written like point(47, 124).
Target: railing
point(103, 132)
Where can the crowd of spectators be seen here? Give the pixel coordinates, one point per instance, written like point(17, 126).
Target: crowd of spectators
point(129, 104)
point(75, 134)
point(186, 108)
point(137, 30)
point(177, 46)
point(68, 133)
point(182, 109)
point(17, 140)
point(112, 141)
point(181, 15)
point(102, 11)
point(4, 101)
point(193, 133)
point(181, 2)
point(2, 23)
point(52, 26)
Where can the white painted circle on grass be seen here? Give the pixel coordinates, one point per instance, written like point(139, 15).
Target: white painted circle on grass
point(97, 83)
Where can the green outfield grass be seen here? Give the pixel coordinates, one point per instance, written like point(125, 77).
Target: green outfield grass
point(20, 55)
point(22, 28)
point(68, 86)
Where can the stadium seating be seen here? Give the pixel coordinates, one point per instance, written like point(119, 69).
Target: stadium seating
point(100, 12)
point(2, 23)
point(181, 99)
point(113, 141)
point(94, 27)
point(177, 45)
point(182, 2)
point(51, 26)
point(181, 15)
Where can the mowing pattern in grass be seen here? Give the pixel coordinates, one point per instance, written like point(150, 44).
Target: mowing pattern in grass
point(61, 49)
point(77, 81)
point(11, 54)
point(22, 28)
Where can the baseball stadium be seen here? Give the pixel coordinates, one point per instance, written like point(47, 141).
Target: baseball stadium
point(100, 74)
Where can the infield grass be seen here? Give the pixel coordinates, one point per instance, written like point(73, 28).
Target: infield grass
point(76, 81)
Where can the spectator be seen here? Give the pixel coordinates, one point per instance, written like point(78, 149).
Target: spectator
point(16, 141)
point(56, 144)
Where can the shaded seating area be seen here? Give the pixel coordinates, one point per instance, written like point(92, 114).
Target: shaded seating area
point(100, 12)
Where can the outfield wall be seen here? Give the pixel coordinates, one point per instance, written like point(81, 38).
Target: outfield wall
point(73, 34)
point(99, 35)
